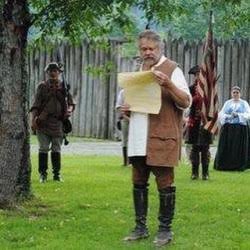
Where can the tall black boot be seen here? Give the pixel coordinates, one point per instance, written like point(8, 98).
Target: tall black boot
point(43, 166)
point(205, 159)
point(205, 172)
point(195, 161)
point(166, 215)
point(140, 194)
point(125, 156)
point(195, 172)
point(56, 165)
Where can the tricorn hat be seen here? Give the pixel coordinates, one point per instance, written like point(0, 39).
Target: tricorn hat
point(194, 70)
point(53, 65)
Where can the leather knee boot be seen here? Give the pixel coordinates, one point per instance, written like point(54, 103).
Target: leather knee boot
point(140, 196)
point(205, 172)
point(125, 156)
point(195, 172)
point(43, 166)
point(195, 161)
point(205, 159)
point(56, 165)
point(166, 215)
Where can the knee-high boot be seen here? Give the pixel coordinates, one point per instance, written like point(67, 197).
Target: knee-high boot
point(195, 161)
point(205, 172)
point(166, 215)
point(56, 165)
point(43, 166)
point(125, 156)
point(195, 171)
point(205, 158)
point(140, 195)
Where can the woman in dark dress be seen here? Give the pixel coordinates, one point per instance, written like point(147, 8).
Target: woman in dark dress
point(234, 143)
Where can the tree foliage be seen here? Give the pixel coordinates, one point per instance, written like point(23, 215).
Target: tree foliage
point(74, 18)
point(231, 20)
point(94, 19)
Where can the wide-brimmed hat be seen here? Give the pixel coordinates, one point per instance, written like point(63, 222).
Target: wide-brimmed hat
point(53, 65)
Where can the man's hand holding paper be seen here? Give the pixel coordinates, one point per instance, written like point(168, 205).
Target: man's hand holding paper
point(141, 91)
point(162, 78)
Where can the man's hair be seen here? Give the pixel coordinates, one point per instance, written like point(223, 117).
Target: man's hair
point(151, 35)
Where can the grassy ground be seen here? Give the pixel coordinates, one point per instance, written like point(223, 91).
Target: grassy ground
point(93, 210)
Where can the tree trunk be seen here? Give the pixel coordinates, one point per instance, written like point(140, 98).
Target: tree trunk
point(15, 166)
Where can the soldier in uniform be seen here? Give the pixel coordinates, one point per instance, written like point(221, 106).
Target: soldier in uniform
point(52, 106)
point(196, 135)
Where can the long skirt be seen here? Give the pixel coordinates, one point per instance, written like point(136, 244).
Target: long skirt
point(233, 153)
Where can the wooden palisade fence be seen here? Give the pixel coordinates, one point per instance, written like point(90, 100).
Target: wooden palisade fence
point(95, 94)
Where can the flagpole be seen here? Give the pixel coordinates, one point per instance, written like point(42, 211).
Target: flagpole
point(211, 21)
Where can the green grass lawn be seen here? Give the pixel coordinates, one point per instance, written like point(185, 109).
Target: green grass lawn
point(93, 210)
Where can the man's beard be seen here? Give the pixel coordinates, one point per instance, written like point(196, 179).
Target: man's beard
point(53, 76)
point(150, 61)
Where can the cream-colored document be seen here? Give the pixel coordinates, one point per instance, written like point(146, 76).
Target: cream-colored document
point(141, 91)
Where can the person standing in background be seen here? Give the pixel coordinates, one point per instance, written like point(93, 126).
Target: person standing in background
point(233, 152)
point(50, 109)
point(195, 134)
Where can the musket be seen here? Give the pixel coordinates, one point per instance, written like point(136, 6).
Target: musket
point(66, 88)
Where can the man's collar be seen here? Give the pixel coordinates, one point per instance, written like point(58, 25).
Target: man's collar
point(162, 60)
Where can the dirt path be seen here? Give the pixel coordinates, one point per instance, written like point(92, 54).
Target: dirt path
point(98, 148)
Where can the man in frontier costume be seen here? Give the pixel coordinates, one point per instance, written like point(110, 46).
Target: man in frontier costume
point(50, 109)
point(196, 135)
point(154, 143)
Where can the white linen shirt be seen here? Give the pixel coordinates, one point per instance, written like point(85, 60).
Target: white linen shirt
point(138, 125)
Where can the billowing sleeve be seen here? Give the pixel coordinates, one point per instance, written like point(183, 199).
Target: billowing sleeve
point(120, 99)
point(180, 82)
point(243, 117)
point(222, 116)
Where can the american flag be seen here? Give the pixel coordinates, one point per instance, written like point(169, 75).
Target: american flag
point(207, 84)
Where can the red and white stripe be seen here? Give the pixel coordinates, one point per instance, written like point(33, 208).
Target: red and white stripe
point(207, 85)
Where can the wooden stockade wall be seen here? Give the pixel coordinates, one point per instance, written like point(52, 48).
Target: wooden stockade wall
point(233, 63)
point(95, 96)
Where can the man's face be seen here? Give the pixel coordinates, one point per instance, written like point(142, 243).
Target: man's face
point(53, 73)
point(149, 51)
